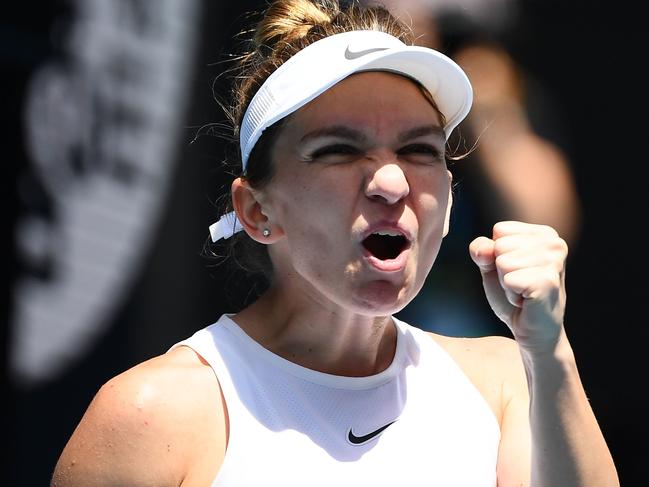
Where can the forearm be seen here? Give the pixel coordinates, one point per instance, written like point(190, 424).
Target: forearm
point(568, 447)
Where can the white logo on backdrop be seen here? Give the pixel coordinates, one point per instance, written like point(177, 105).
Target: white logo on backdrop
point(102, 129)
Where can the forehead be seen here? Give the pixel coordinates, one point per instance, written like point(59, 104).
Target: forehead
point(365, 96)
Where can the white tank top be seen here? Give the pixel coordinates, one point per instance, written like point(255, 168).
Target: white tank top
point(420, 422)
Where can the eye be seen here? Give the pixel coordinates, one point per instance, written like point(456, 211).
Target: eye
point(335, 153)
point(422, 153)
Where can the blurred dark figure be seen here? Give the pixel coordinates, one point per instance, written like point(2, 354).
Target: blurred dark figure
point(518, 153)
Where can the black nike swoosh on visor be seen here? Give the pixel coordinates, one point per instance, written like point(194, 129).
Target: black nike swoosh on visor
point(359, 440)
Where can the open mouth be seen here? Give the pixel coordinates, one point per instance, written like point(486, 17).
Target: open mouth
point(385, 245)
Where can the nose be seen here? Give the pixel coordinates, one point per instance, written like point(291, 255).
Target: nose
point(387, 183)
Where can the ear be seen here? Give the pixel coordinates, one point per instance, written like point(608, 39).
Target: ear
point(250, 212)
point(449, 205)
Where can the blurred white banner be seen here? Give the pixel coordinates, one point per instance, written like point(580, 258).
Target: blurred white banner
point(102, 127)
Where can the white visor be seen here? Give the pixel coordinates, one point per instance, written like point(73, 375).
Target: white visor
point(321, 65)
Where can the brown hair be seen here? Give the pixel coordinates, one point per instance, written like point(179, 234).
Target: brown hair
point(288, 26)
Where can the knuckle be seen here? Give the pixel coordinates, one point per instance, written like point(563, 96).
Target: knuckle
point(502, 246)
point(562, 246)
point(550, 279)
point(549, 230)
point(503, 263)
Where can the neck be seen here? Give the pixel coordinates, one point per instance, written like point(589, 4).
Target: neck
point(320, 336)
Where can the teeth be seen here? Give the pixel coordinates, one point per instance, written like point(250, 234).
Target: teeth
point(390, 233)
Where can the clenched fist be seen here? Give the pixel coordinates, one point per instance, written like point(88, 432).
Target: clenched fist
point(523, 274)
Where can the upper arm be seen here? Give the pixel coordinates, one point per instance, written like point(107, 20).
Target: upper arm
point(495, 367)
point(514, 452)
point(115, 442)
point(144, 426)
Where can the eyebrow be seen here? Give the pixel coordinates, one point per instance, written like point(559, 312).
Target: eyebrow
point(341, 131)
point(422, 131)
point(349, 133)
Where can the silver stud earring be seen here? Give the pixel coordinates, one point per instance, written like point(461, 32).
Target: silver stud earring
point(266, 232)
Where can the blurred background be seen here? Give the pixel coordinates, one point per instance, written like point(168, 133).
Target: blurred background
point(109, 192)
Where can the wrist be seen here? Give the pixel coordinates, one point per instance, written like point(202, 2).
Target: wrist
point(559, 358)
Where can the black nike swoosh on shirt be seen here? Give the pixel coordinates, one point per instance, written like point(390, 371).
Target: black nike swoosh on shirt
point(359, 440)
point(354, 55)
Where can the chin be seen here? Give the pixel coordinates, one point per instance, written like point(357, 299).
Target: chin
point(381, 298)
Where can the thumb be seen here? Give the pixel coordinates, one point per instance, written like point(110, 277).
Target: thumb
point(482, 251)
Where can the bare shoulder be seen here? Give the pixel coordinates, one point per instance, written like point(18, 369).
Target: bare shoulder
point(144, 426)
point(493, 364)
point(494, 352)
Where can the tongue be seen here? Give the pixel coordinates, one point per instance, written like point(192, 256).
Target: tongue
point(383, 247)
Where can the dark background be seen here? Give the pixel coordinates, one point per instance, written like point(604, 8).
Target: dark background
point(588, 56)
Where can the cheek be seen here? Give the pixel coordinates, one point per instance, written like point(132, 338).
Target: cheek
point(316, 224)
point(433, 196)
point(302, 203)
point(306, 214)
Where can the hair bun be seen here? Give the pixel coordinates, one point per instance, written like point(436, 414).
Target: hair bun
point(290, 20)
